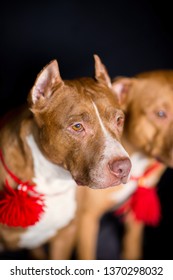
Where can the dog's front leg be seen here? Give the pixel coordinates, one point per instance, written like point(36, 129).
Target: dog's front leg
point(38, 253)
point(87, 236)
point(62, 245)
point(133, 238)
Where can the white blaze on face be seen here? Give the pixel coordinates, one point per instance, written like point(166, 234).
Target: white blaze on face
point(112, 150)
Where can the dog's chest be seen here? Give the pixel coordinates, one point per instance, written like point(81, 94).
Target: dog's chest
point(59, 190)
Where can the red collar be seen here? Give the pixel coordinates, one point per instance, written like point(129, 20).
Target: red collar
point(156, 165)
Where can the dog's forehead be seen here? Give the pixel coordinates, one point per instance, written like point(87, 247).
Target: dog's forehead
point(89, 90)
point(81, 98)
point(155, 87)
point(157, 79)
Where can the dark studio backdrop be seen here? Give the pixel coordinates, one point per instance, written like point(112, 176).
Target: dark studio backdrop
point(129, 36)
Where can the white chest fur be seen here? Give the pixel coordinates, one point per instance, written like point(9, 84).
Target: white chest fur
point(58, 188)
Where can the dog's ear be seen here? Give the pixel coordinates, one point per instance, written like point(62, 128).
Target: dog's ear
point(101, 74)
point(122, 86)
point(42, 89)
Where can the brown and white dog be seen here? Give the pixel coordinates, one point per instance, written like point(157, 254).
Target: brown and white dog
point(147, 136)
point(69, 134)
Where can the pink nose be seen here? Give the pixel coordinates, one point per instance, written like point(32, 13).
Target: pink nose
point(120, 168)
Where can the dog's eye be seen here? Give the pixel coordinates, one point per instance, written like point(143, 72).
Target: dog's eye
point(161, 114)
point(120, 120)
point(78, 127)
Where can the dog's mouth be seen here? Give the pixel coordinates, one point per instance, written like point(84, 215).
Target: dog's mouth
point(100, 185)
point(165, 161)
point(118, 182)
point(80, 183)
point(159, 159)
point(125, 179)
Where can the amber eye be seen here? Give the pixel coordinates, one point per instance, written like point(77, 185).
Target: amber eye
point(161, 114)
point(78, 127)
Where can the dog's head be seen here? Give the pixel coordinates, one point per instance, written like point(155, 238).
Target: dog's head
point(148, 103)
point(80, 124)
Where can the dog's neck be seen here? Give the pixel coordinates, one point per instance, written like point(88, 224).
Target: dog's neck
point(46, 173)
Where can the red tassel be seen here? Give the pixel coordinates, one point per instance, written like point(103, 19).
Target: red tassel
point(18, 208)
point(146, 205)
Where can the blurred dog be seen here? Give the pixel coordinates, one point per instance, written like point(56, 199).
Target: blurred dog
point(69, 134)
point(148, 105)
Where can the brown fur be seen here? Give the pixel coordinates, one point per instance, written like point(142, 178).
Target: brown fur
point(149, 94)
point(54, 106)
point(148, 105)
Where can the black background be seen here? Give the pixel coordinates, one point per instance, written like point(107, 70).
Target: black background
point(129, 36)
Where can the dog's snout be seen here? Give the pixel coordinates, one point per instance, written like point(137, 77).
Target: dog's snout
point(120, 168)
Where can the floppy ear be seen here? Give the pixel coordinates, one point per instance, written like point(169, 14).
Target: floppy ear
point(101, 74)
point(42, 89)
point(121, 86)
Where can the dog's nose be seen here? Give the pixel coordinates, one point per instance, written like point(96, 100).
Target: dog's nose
point(120, 168)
